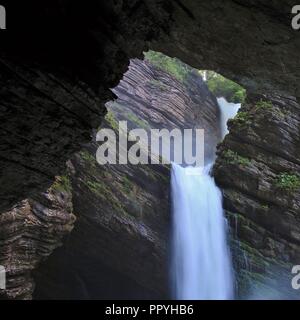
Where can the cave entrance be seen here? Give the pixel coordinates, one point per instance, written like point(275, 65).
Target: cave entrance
point(120, 241)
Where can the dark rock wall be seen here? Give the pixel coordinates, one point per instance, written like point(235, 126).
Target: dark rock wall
point(52, 49)
point(29, 233)
point(264, 215)
point(36, 138)
point(120, 245)
point(58, 61)
point(55, 75)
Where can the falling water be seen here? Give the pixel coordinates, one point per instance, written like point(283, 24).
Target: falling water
point(202, 268)
point(201, 264)
point(228, 111)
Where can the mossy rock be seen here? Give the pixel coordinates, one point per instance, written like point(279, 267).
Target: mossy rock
point(232, 157)
point(62, 184)
point(288, 181)
point(263, 105)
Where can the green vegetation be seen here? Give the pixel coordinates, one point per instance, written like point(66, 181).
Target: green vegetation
point(127, 185)
point(103, 191)
point(218, 85)
point(280, 113)
point(288, 181)
point(62, 184)
point(234, 158)
point(265, 105)
point(222, 87)
point(172, 66)
point(110, 118)
point(98, 188)
point(242, 118)
point(250, 251)
point(265, 206)
point(277, 111)
point(139, 122)
point(88, 157)
point(106, 175)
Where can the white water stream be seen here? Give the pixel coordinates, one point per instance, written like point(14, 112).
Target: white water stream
point(201, 261)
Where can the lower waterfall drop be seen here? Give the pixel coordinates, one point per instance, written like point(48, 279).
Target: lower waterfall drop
point(201, 259)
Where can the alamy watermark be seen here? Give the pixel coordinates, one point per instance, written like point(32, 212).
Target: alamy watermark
point(2, 278)
point(296, 279)
point(2, 17)
point(296, 19)
point(153, 146)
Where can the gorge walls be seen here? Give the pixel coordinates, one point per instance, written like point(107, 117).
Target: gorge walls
point(56, 72)
point(258, 169)
point(55, 80)
point(119, 247)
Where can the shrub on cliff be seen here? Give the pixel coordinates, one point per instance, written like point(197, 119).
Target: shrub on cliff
point(288, 181)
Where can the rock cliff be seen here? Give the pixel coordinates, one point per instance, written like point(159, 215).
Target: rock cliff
point(258, 169)
point(30, 232)
point(120, 245)
point(56, 74)
point(59, 59)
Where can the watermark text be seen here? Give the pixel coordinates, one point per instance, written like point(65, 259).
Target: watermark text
point(2, 17)
point(296, 18)
point(153, 146)
point(296, 278)
point(2, 278)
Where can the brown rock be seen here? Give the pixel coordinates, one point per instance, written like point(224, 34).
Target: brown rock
point(29, 233)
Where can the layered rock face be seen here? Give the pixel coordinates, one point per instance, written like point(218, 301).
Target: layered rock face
point(164, 101)
point(118, 248)
point(37, 140)
point(258, 168)
point(29, 233)
point(56, 71)
point(55, 75)
point(120, 245)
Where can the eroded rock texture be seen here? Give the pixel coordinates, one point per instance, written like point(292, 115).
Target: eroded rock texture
point(120, 245)
point(29, 233)
point(59, 58)
point(263, 208)
point(149, 97)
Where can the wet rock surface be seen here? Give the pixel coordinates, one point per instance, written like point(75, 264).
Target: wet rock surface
point(257, 167)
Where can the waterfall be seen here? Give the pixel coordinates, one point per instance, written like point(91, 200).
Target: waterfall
point(228, 110)
point(201, 261)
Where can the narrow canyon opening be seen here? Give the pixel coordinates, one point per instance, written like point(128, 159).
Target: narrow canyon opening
point(56, 80)
point(127, 237)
